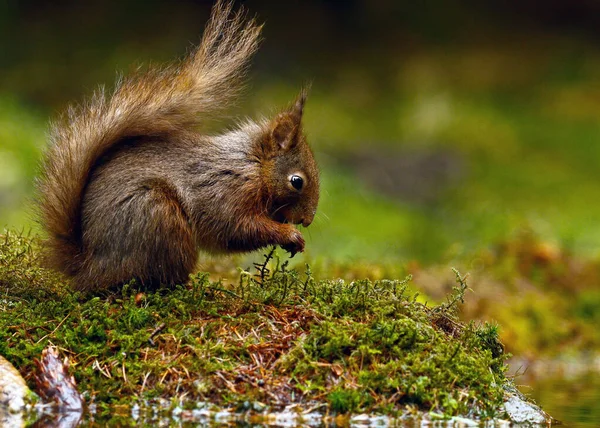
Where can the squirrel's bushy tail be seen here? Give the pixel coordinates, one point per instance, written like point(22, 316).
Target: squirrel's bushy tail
point(158, 102)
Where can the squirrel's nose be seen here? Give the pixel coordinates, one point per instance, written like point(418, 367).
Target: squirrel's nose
point(306, 223)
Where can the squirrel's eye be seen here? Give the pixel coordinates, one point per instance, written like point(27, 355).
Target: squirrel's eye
point(297, 182)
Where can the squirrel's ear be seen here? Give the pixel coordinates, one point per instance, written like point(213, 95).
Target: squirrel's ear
point(285, 128)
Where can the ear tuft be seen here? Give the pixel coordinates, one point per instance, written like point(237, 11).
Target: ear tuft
point(298, 107)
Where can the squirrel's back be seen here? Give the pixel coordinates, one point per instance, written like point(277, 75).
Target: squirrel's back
point(159, 102)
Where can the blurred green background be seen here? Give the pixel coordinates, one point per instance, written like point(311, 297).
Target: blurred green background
point(461, 133)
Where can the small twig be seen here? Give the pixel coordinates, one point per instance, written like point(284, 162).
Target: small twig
point(224, 290)
point(124, 372)
point(262, 269)
point(157, 330)
point(144, 382)
point(54, 331)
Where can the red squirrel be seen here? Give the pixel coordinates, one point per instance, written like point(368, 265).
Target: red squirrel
point(131, 189)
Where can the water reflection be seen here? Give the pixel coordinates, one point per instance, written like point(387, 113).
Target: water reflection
point(574, 400)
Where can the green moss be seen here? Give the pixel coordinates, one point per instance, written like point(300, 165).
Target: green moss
point(347, 400)
point(549, 296)
point(276, 336)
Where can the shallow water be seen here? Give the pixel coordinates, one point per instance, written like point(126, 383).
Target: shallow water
point(573, 400)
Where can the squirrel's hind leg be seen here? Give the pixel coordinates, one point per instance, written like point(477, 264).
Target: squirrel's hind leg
point(145, 236)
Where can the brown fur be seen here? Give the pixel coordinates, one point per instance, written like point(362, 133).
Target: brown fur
point(129, 190)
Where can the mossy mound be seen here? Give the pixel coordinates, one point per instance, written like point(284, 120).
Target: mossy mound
point(275, 337)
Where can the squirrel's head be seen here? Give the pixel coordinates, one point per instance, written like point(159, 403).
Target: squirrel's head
point(294, 176)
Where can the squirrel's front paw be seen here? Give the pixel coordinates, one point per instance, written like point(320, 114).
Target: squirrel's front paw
point(296, 244)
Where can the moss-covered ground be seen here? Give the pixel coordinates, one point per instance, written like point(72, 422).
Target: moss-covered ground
point(545, 297)
point(274, 336)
